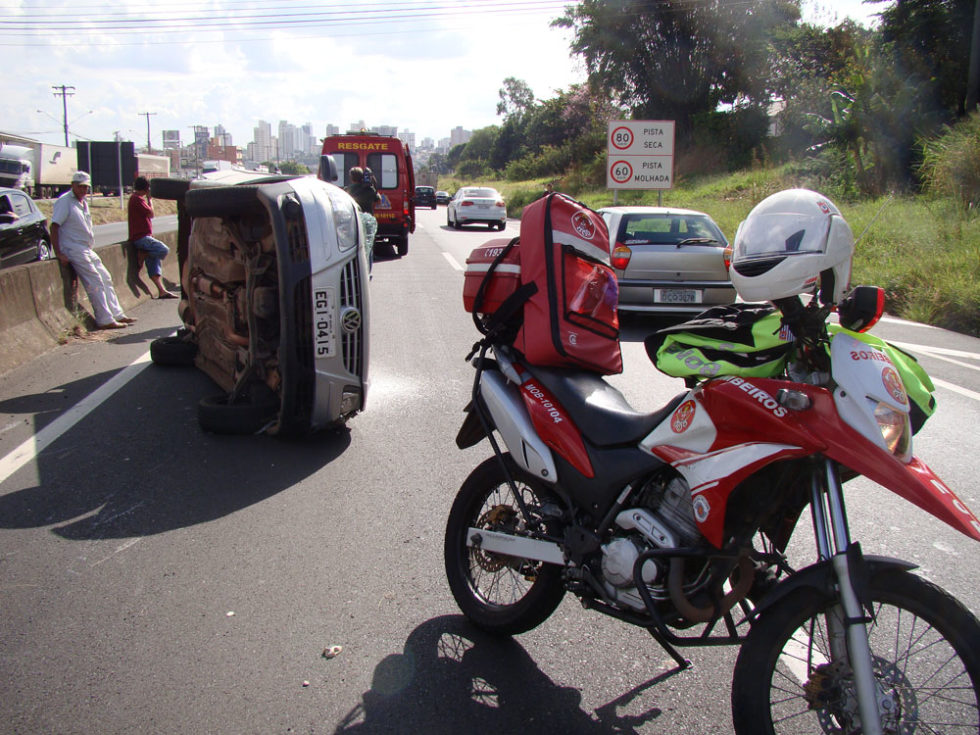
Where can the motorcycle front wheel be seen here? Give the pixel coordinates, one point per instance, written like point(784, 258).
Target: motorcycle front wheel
point(500, 594)
point(925, 648)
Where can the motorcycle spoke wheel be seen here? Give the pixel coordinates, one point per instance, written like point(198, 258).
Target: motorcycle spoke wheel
point(501, 594)
point(925, 655)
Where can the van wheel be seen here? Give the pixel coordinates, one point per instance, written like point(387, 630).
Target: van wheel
point(222, 201)
point(402, 244)
point(173, 352)
point(217, 415)
point(169, 188)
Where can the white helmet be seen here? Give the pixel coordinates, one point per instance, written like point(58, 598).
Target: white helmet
point(792, 242)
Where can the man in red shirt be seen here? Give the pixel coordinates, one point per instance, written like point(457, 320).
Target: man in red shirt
point(141, 234)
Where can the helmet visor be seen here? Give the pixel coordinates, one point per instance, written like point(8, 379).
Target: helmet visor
point(780, 235)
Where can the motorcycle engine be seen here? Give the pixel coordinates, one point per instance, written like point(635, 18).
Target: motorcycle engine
point(672, 503)
point(663, 518)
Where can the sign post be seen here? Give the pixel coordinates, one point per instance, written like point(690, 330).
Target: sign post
point(640, 155)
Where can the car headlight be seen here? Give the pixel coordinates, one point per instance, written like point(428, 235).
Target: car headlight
point(895, 430)
point(344, 219)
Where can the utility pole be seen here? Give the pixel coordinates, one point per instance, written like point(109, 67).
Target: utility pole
point(62, 91)
point(149, 148)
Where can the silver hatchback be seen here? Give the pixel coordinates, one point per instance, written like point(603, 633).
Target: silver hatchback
point(668, 261)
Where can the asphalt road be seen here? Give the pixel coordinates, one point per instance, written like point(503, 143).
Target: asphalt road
point(154, 578)
point(118, 231)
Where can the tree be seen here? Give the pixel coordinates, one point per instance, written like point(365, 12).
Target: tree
point(930, 41)
point(670, 60)
point(516, 97)
point(293, 168)
point(480, 145)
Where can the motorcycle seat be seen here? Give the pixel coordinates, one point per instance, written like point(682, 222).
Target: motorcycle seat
point(598, 409)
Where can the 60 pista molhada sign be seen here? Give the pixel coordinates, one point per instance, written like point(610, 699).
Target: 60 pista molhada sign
point(640, 154)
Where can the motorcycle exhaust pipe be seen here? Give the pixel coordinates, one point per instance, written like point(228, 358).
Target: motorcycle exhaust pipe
point(518, 547)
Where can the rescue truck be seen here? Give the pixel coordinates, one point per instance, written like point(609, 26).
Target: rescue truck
point(390, 162)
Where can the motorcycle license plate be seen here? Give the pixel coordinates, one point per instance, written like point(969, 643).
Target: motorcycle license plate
point(324, 333)
point(677, 295)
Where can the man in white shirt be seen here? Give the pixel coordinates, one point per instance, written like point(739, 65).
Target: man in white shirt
point(73, 237)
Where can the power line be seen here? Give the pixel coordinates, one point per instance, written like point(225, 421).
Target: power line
point(273, 17)
point(265, 16)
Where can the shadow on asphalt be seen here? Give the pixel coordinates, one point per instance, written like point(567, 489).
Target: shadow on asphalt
point(453, 678)
point(139, 464)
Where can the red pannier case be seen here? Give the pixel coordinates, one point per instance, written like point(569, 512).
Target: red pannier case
point(571, 321)
point(505, 279)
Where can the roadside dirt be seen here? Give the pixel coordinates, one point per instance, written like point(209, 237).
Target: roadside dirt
point(106, 209)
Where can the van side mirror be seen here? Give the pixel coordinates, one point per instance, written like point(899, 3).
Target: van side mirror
point(328, 169)
point(861, 308)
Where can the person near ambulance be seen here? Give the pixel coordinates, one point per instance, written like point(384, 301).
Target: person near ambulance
point(73, 238)
point(361, 188)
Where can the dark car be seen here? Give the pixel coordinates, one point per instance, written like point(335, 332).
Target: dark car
point(23, 230)
point(442, 197)
point(425, 196)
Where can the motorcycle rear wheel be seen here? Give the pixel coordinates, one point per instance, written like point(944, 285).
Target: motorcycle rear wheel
point(924, 645)
point(500, 594)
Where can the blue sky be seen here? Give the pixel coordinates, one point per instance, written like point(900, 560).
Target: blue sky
point(423, 65)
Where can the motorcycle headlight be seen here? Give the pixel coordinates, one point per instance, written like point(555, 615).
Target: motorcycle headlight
point(895, 430)
point(344, 219)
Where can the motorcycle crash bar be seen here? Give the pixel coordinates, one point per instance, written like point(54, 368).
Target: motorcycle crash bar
point(518, 547)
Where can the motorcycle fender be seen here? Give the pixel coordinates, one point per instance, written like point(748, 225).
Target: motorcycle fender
point(512, 421)
point(471, 432)
point(821, 577)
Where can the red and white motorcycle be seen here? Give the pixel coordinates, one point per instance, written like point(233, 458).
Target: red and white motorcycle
point(678, 521)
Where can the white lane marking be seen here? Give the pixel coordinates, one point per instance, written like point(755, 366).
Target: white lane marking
point(453, 262)
point(896, 320)
point(937, 351)
point(955, 388)
point(29, 450)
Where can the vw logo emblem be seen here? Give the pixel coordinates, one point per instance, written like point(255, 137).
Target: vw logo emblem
point(350, 320)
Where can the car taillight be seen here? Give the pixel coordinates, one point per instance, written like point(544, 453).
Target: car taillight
point(466, 203)
point(621, 257)
point(500, 203)
point(727, 255)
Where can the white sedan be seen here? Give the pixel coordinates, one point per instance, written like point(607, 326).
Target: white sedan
point(475, 205)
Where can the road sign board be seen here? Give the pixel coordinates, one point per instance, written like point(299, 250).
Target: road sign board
point(640, 154)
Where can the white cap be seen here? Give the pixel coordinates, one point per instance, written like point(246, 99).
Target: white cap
point(81, 177)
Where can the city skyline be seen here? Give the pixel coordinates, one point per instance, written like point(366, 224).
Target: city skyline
point(293, 141)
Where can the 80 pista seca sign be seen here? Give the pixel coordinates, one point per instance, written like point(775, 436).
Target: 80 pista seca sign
point(640, 154)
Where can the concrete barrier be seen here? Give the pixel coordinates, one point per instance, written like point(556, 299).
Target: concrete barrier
point(42, 303)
